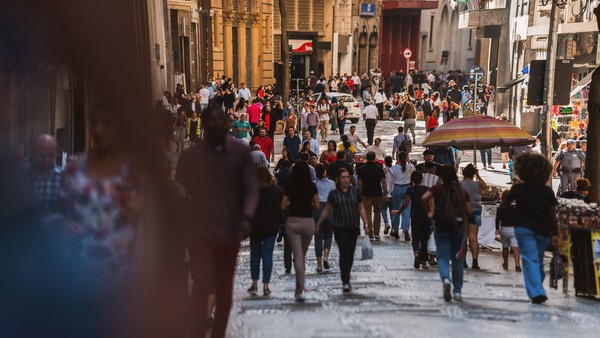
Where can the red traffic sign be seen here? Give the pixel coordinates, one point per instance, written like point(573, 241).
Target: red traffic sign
point(407, 53)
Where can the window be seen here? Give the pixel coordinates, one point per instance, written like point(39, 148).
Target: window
point(431, 32)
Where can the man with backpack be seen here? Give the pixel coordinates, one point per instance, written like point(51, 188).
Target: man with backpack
point(402, 142)
point(426, 106)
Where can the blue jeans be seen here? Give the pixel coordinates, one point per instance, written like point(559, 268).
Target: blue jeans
point(313, 131)
point(262, 249)
point(486, 153)
point(532, 247)
point(325, 237)
point(393, 113)
point(385, 206)
point(448, 244)
point(341, 125)
point(510, 169)
point(398, 195)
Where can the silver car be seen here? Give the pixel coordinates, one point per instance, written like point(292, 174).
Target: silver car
point(354, 111)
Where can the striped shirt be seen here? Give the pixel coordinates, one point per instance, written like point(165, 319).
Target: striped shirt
point(345, 207)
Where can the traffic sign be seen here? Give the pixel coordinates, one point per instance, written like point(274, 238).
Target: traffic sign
point(476, 72)
point(407, 53)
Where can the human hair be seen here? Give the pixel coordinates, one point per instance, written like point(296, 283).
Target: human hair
point(400, 129)
point(416, 177)
point(300, 176)
point(370, 156)
point(344, 138)
point(306, 143)
point(347, 144)
point(331, 142)
point(447, 174)
point(583, 184)
point(320, 170)
point(340, 155)
point(339, 174)
point(389, 161)
point(533, 168)
point(469, 171)
point(303, 156)
point(402, 157)
point(428, 152)
point(265, 178)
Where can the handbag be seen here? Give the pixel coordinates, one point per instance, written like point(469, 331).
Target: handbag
point(367, 248)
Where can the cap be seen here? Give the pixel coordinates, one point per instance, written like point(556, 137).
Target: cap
point(583, 141)
point(571, 141)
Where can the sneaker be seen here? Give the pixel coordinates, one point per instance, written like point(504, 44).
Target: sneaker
point(386, 230)
point(457, 297)
point(424, 266)
point(371, 237)
point(319, 269)
point(300, 296)
point(288, 271)
point(490, 167)
point(518, 269)
point(539, 299)
point(505, 266)
point(266, 291)
point(475, 265)
point(346, 288)
point(396, 235)
point(406, 236)
point(326, 264)
point(377, 238)
point(447, 287)
point(417, 261)
point(253, 290)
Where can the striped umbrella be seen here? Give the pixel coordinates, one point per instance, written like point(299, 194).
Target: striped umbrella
point(477, 132)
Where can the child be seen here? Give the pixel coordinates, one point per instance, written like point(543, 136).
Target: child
point(505, 228)
point(420, 226)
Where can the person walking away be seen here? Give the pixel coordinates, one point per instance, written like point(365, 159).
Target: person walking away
point(473, 189)
point(347, 207)
point(401, 142)
point(301, 193)
point(571, 162)
point(513, 153)
point(451, 210)
point(324, 237)
point(486, 154)
point(204, 98)
point(265, 226)
point(400, 174)
point(409, 115)
point(536, 221)
point(180, 130)
point(380, 100)
point(283, 177)
point(370, 117)
point(420, 225)
point(373, 188)
point(387, 202)
point(221, 210)
point(505, 229)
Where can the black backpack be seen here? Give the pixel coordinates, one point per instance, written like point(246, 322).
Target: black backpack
point(427, 107)
point(406, 144)
point(449, 213)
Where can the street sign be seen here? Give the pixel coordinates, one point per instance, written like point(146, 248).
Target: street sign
point(407, 53)
point(476, 72)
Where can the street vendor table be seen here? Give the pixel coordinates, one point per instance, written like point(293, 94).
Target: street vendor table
point(487, 231)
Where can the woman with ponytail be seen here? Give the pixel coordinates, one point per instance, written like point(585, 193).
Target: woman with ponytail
point(400, 177)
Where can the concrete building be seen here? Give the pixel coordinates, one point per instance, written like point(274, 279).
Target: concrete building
point(366, 16)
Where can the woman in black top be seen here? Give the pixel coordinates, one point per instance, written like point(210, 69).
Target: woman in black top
point(535, 219)
point(348, 209)
point(265, 226)
point(228, 99)
point(301, 193)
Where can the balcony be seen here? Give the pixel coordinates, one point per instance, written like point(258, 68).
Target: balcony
point(409, 4)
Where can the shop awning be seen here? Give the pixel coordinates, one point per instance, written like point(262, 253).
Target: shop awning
point(507, 85)
point(581, 84)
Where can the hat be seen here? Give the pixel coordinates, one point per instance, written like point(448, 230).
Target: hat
point(570, 141)
point(583, 141)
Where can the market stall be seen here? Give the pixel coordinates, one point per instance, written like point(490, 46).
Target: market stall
point(579, 238)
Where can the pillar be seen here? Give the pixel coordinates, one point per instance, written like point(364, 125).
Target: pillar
point(256, 58)
point(228, 42)
point(241, 61)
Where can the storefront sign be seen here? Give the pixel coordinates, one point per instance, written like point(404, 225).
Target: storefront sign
point(301, 46)
point(367, 9)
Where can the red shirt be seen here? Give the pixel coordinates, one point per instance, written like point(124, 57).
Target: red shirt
point(253, 112)
point(432, 123)
point(266, 145)
point(350, 83)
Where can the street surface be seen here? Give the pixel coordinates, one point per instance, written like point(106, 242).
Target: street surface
point(392, 299)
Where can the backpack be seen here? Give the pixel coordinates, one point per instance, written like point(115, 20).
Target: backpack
point(349, 156)
point(426, 106)
point(406, 145)
point(449, 213)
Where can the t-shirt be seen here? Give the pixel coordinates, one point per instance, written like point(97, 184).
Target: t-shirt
point(301, 199)
point(472, 188)
point(332, 169)
point(266, 145)
point(371, 175)
point(533, 207)
point(416, 192)
point(345, 207)
point(292, 143)
point(241, 125)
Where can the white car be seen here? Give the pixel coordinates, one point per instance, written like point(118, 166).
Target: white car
point(354, 111)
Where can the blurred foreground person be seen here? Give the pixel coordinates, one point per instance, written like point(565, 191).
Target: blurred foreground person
point(535, 219)
point(223, 197)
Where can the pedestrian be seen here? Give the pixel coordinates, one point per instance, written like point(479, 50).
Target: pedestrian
point(513, 153)
point(270, 120)
point(452, 208)
point(329, 156)
point(433, 119)
point(312, 121)
point(409, 115)
point(291, 120)
point(354, 139)
point(473, 188)
point(193, 128)
point(380, 100)
point(402, 142)
point(324, 237)
point(180, 130)
point(420, 225)
point(571, 162)
point(387, 202)
point(536, 219)
point(323, 110)
point(292, 144)
point(400, 175)
point(314, 145)
point(256, 129)
point(372, 187)
point(301, 193)
point(284, 158)
point(486, 154)
point(505, 230)
point(370, 117)
point(340, 163)
point(241, 128)
point(220, 212)
point(258, 157)
point(377, 149)
point(266, 144)
point(348, 209)
point(265, 226)
point(253, 112)
point(283, 177)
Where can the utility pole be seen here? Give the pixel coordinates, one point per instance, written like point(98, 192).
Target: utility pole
point(549, 81)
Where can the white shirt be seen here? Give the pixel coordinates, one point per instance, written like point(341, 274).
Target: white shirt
point(431, 78)
point(380, 97)
point(409, 79)
point(400, 177)
point(426, 88)
point(244, 93)
point(356, 80)
point(323, 107)
point(204, 96)
point(429, 180)
point(370, 112)
point(379, 152)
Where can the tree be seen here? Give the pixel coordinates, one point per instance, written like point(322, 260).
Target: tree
point(285, 54)
point(592, 161)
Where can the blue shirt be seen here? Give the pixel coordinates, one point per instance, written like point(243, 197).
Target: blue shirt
point(324, 187)
point(292, 144)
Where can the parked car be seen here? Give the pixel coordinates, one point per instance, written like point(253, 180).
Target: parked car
point(354, 111)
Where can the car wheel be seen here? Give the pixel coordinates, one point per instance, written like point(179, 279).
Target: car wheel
point(354, 120)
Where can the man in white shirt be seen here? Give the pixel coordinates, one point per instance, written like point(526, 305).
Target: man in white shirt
point(379, 152)
point(430, 77)
point(314, 145)
point(370, 115)
point(354, 139)
point(323, 110)
point(244, 93)
point(204, 94)
point(356, 80)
